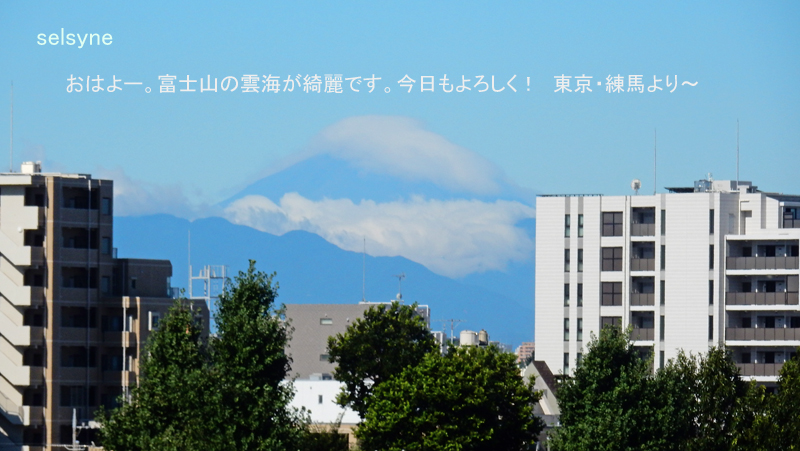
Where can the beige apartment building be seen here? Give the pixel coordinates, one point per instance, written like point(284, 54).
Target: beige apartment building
point(73, 317)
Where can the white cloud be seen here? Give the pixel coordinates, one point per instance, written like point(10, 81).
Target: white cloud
point(401, 147)
point(452, 238)
point(134, 197)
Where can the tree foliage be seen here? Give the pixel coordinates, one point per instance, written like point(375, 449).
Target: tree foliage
point(228, 393)
point(608, 404)
point(469, 399)
point(167, 410)
point(374, 348)
point(250, 365)
point(614, 402)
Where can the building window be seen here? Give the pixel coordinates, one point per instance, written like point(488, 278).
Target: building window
point(710, 292)
point(580, 260)
point(711, 256)
point(105, 284)
point(663, 222)
point(326, 321)
point(566, 226)
point(153, 318)
point(105, 245)
point(566, 363)
point(746, 357)
point(580, 329)
point(105, 206)
point(578, 359)
point(711, 221)
point(566, 329)
point(73, 396)
point(566, 260)
point(661, 331)
point(580, 226)
point(133, 283)
point(580, 295)
point(324, 357)
point(612, 259)
point(710, 327)
point(319, 399)
point(566, 295)
point(612, 293)
point(661, 359)
point(663, 256)
point(612, 223)
point(614, 321)
point(663, 294)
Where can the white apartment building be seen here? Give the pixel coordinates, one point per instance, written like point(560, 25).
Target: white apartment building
point(711, 264)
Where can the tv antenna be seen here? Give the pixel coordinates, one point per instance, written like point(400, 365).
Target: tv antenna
point(452, 322)
point(400, 278)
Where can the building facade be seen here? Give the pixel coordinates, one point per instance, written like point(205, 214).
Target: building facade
point(313, 324)
point(73, 317)
point(711, 264)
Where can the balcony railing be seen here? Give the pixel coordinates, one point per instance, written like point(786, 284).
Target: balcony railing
point(762, 262)
point(762, 298)
point(643, 299)
point(643, 264)
point(760, 369)
point(762, 333)
point(642, 334)
point(791, 223)
point(643, 229)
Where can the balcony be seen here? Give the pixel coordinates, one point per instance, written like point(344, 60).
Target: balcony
point(745, 263)
point(761, 298)
point(760, 369)
point(762, 334)
point(643, 230)
point(643, 299)
point(643, 264)
point(643, 334)
point(791, 223)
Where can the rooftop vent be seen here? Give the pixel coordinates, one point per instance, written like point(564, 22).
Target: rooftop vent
point(31, 167)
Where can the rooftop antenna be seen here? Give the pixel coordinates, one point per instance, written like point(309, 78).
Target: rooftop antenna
point(11, 145)
point(364, 273)
point(655, 159)
point(400, 278)
point(452, 326)
point(635, 185)
point(190, 261)
point(737, 153)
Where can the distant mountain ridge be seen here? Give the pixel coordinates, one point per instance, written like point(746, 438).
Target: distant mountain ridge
point(311, 270)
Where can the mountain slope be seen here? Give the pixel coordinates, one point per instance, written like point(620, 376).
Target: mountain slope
point(311, 270)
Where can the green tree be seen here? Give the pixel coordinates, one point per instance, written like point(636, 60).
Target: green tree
point(374, 348)
point(250, 365)
point(707, 404)
point(169, 408)
point(785, 433)
point(470, 399)
point(227, 394)
point(609, 403)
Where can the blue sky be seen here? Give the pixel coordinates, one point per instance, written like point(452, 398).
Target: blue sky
point(203, 147)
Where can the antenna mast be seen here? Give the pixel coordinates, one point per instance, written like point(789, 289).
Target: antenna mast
point(400, 278)
point(737, 153)
point(655, 159)
point(11, 145)
point(364, 272)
